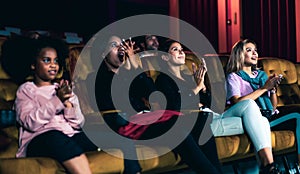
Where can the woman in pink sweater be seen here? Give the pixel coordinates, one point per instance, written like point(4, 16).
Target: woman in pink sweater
point(48, 113)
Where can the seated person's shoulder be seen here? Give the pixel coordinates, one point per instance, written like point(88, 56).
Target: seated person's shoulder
point(27, 86)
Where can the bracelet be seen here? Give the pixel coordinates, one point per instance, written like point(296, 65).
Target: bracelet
point(273, 91)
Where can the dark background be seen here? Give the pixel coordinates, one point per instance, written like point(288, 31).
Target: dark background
point(85, 17)
point(270, 23)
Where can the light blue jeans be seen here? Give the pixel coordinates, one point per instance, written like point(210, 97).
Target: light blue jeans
point(244, 115)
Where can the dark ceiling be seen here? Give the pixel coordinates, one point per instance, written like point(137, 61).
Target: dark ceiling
point(85, 17)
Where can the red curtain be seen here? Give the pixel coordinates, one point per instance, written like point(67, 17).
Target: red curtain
point(271, 24)
point(203, 15)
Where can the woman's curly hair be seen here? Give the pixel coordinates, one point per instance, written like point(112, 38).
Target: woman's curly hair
point(19, 52)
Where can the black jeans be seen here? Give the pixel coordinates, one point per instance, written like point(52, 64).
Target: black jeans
point(202, 159)
point(115, 121)
point(193, 156)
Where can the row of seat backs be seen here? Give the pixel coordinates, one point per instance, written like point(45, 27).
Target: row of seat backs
point(288, 92)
